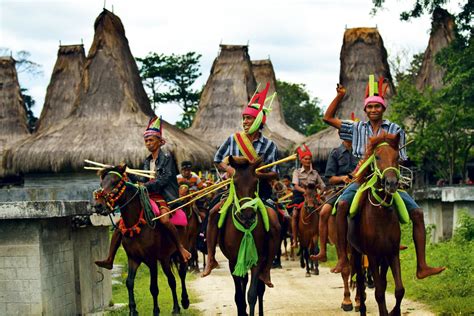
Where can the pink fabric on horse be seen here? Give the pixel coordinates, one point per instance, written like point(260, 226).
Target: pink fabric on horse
point(178, 218)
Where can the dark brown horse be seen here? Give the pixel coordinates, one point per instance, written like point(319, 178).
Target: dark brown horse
point(142, 242)
point(246, 182)
point(375, 229)
point(190, 236)
point(308, 229)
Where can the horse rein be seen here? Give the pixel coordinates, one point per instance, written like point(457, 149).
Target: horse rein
point(115, 194)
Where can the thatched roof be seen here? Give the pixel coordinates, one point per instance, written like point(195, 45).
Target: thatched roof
point(63, 86)
point(442, 34)
point(108, 118)
point(285, 137)
point(228, 89)
point(13, 123)
point(362, 54)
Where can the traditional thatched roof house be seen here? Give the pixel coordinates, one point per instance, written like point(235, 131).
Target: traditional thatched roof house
point(277, 129)
point(228, 89)
point(109, 115)
point(13, 123)
point(362, 54)
point(63, 86)
point(442, 34)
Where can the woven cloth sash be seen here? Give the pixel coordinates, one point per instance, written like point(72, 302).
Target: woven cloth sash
point(245, 146)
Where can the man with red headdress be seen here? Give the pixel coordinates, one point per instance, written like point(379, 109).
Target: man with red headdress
point(359, 133)
point(301, 178)
point(251, 144)
point(161, 189)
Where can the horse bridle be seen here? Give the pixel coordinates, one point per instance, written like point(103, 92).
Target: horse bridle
point(116, 193)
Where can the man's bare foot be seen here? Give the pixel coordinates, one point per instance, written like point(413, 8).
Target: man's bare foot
point(265, 278)
point(425, 272)
point(186, 255)
point(319, 257)
point(211, 264)
point(341, 264)
point(106, 264)
point(294, 244)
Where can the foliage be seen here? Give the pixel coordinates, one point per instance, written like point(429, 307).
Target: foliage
point(29, 104)
point(168, 79)
point(143, 297)
point(465, 229)
point(463, 19)
point(301, 112)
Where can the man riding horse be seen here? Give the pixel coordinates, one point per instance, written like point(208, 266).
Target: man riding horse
point(301, 178)
point(251, 144)
point(189, 178)
point(359, 133)
point(161, 189)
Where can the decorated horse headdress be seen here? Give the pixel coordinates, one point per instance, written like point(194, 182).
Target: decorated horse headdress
point(154, 128)
point(256, 108)
point(303, 151)
point(375, 91)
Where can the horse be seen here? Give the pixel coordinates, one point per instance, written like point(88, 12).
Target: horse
point(279, 189)
point(375, 228)
point(190, 236)
point(230, 237)
point(308, 229)
point(143, 242)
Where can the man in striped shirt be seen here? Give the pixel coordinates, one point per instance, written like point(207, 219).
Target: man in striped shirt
point(359, 133)
point(251, 144)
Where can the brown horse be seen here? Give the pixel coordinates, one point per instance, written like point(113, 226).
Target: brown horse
point(375, 229)
point(190, 236)
point(246, 182)
point(143, 241)
point(308, 229)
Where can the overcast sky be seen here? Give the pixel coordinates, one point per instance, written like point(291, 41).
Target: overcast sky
point(302, 38)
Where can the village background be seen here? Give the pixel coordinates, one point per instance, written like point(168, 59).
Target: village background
point(94, 100)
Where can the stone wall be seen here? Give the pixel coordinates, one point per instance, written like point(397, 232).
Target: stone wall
point(47, 266)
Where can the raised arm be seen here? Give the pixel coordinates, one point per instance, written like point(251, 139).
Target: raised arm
point(329, 116)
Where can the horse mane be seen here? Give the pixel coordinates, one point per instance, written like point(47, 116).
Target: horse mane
point(391, 139)
point(104, 171)
point(241, 161)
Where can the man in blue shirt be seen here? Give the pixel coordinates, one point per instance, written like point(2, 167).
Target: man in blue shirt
point(359, 133)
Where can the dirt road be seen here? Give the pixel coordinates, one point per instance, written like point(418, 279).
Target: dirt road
point(293, 294)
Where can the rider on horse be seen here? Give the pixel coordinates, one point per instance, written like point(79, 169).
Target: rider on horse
point(301, 178)
point(251, 144)
point(359, 133)
point(161, 189)
point(339, 167)
point(189, 178)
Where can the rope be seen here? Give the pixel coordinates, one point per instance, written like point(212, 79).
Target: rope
point(146, 205)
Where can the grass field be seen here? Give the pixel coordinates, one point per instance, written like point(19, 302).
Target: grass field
point(451, 292)
point(142, 294)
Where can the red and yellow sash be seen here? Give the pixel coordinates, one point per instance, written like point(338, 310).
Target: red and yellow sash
point(245, 146)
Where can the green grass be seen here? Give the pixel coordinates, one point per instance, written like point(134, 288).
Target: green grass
point(451, 292)
point(143, 297)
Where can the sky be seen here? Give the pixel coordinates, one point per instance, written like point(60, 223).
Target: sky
point(303, 39)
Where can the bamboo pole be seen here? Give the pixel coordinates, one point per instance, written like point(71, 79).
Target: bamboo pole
point(289, 158)
point(137, 172)
point(220, 184)
point(285, 197)
point(192, 200)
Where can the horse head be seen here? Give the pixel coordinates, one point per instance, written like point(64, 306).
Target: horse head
point(112, 183)
point(310, 195)
point(385, 152)
point(246, 186)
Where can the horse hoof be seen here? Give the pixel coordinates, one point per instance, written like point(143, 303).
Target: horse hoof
point(176, 311)
point(357, 309)
point(185, 303)
point(316, 271)
point(347, 307)
point(308, 274)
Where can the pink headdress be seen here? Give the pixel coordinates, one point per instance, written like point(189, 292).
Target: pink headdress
point(375, 91)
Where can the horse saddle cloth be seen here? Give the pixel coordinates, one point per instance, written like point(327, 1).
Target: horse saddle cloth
point(178, 218)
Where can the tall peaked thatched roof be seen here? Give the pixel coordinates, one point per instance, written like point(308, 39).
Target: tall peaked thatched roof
point(442, 34)
point(362, 54)
point(13, 123)
point(63, 86)
point(109, 115)
point(277, 129)
point(228, 89)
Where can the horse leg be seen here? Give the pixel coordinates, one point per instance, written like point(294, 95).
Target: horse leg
point(184, 292)
point(132, 272)
point(380, 278)
point(306, 260)
point(260, 293)
point(399, 289)
point(359, 280)
point(315, 251)
point(239, 296)
point(252, 293)
point(346, 304)
point(165, 265)
point(154, 287)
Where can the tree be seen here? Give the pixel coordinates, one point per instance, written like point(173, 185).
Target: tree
point(169, 79)
point(301, 112)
